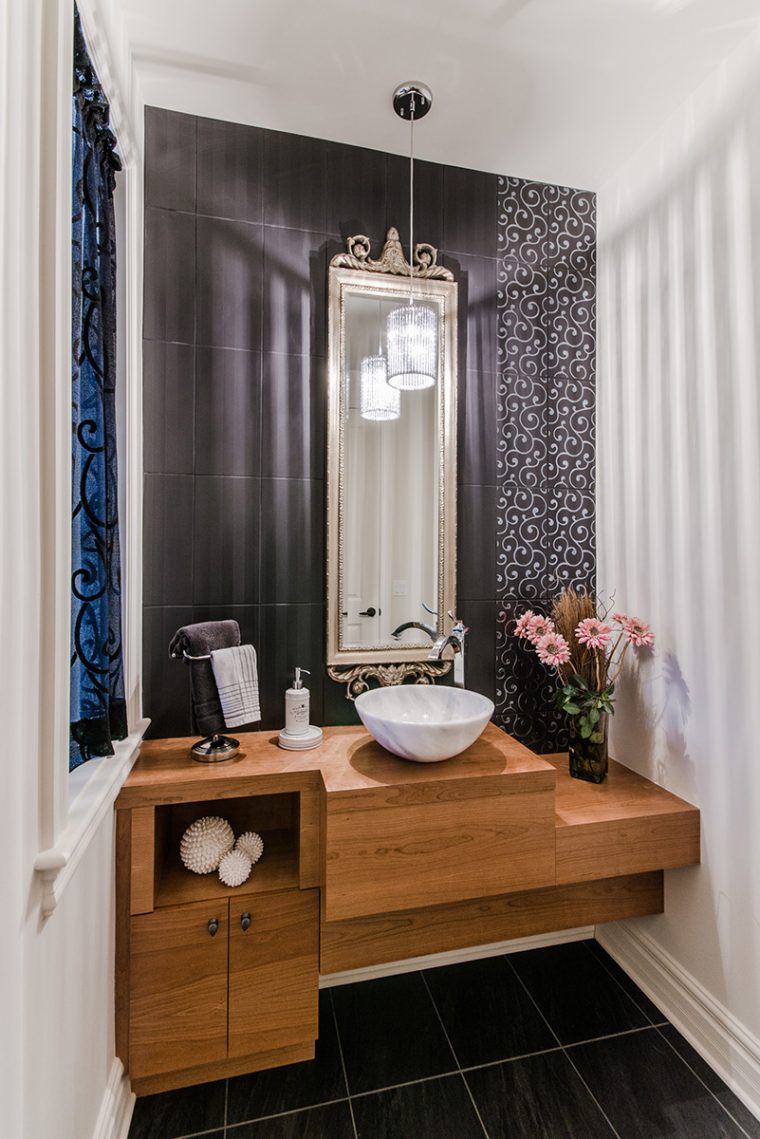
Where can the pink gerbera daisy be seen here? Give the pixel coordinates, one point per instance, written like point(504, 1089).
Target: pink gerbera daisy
point(522, 624)
point(593, 633)
point(553, 649)
point(639, 633)
point(621, 618)
point(539, 627)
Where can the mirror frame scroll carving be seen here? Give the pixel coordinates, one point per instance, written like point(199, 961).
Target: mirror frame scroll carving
point(355, 270)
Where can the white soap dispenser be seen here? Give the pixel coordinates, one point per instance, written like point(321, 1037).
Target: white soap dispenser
point(298, 734)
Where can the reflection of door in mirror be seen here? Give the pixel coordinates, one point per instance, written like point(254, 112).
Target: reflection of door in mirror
point(390, 502)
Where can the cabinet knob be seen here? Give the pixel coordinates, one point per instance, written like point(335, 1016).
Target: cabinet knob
point(213, 925)
point(245, 921)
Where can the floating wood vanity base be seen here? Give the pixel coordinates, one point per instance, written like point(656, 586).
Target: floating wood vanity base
point(367, 859)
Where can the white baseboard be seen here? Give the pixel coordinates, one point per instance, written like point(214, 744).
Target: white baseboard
point(115, 1113)
point(723, 1042)
point(455, 956)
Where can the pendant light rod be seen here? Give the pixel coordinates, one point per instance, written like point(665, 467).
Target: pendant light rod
point(412, 101)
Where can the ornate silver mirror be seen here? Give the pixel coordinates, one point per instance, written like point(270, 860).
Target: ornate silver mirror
point(391, 522)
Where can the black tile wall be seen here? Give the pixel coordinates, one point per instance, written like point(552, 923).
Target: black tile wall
point(241, 224)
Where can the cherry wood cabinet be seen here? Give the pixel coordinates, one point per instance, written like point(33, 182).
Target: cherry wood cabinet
point(178, 1003)
point(367, 859)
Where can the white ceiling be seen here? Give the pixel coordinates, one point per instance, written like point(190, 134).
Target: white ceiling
point(559, 90)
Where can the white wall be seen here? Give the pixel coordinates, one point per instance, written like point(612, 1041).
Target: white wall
point(58, 1075)
point(679, 509)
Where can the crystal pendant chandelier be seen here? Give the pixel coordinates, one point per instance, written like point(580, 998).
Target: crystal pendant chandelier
point(378, 400)
point(412, 329)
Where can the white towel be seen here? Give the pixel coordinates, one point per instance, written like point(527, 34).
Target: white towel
point(238, 684)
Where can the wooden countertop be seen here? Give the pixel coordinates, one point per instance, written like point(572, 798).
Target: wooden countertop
point(348, 760)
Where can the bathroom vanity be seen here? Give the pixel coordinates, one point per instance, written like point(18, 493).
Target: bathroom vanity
point(367, 859)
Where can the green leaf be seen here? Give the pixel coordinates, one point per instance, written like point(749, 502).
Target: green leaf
point(572, 709)
point(597, 737)
point(594, 715)
point(585, 730)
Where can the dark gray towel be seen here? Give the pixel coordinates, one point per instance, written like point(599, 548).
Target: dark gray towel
point(199, 640)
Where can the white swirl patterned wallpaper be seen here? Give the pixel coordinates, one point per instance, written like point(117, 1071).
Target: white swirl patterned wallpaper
point(546, 330)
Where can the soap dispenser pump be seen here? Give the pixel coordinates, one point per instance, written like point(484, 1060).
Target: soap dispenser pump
point(298, 734)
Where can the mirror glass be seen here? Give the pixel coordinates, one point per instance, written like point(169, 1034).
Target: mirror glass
point(391, 472)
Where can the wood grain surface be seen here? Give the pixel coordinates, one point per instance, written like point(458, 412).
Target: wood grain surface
point(367, 941)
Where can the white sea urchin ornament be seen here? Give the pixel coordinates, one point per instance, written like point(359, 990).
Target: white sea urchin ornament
point(251, 844)
point(234, 868)
point(204, 844)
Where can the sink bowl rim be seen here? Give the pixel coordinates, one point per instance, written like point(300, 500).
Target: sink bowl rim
point(377, 695)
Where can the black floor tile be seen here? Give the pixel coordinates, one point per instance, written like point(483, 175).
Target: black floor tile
point(170, 1114)
point(486, 1012)
point(390, 1033)
point(296, 1085)
point(331, 1122)
point(731, 1102)
point(650, 1010)
point(435, 1109)
point(577, 996)
point(540, 1097)
point(648, 1092)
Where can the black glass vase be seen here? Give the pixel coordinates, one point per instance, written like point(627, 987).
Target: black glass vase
point(588, 759)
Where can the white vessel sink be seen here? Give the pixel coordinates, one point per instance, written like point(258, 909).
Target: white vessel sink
point(422, 722)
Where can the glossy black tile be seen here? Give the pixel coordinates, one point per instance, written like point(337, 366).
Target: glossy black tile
point(539, 1097)
point(291, 635)
point(165, 682)
point(295, 275)
point(632, 989)
point(476, 278)
point(227, 412)
point(355, 192)
point(170, 171)
point(477, 429)
point(183, 1112)
point(470, 208)
point(229, 285)
point(579, 999)
point(330, 1122)
point(293, 416)
point(480, 672)
point(486, 1012)
point(296, 1085)
point(476, 543)
point(229, 170)
point(390, 1033)
point(648, 1092)
point(731, 1102)
point(168, 540)
point(226, 542)
point(295, 175)
point(292, 541)
point(439, 1107)
point(169, 300)
point(428, 200)
point(168, 407)
point(337, 709)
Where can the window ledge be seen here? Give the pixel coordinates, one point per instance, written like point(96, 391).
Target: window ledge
point(93, 788)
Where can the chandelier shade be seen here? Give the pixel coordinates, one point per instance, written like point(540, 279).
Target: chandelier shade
point(377, 399)
point(412, 345)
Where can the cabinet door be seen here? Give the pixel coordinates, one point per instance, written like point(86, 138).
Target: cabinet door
point(178, 1004)
point(273, 971)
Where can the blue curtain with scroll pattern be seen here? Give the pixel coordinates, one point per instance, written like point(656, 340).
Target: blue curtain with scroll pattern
point(98, 709)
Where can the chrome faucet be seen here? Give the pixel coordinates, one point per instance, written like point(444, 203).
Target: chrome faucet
point(455, 639)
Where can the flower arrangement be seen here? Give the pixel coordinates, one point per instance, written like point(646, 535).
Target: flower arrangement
point(587, 651)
